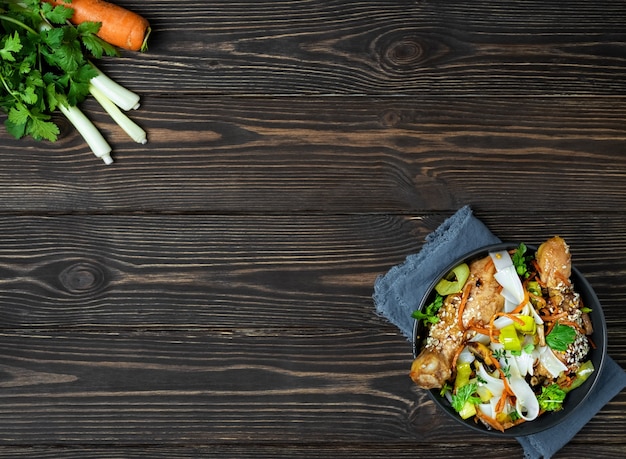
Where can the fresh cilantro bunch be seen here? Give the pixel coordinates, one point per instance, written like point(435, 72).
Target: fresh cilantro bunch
point(44, 63)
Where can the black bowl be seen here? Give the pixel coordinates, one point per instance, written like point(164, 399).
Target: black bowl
point(574, 398)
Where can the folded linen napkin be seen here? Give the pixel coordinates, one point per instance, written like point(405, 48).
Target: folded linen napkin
point(397, 293)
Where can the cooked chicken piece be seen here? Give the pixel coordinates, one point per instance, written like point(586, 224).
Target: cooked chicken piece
point(555, 263)
point(432, 367)
point(555, 268)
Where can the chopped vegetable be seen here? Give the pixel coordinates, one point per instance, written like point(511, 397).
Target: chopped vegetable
point(463, 373)
point(120, 27)
point(454, 281)
point(430, 311)
point(45, 66)
point(465, 396)
point(528, 327)
point(551, 398)
point(520, 260)
point(584, 371)
point(560, 337)
point(508, 337)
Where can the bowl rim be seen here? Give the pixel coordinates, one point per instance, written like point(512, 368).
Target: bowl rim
point(549, 419)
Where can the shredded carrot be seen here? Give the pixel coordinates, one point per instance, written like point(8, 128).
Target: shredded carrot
point(466, 291)
point(493, 332)
point(456, 356)
point(554, 317)
point(507, 388)
point(501, 402)
point(520, 306)
point(489, 264)
point(510, 315)
point(120, 27)
point(490, 421)
point(483, 330)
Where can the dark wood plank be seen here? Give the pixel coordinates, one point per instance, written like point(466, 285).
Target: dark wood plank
point(223, 155)
point(380, 47)
point(225, 272)
point(199, 388)
point(321, 451)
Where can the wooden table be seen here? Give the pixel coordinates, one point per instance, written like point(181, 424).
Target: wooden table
point(209, 294)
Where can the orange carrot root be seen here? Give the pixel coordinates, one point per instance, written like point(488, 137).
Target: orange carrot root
point(120, 27)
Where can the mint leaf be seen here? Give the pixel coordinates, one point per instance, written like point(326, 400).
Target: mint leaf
point(561, 337)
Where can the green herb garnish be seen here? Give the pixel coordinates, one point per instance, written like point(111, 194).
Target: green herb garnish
point(464, 395)
point(521, 260)
point(551, 398)
point(560, 337)
point(429, 314)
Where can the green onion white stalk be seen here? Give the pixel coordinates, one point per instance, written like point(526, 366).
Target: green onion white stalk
point(89, 132)
point(118, 94)
point(132, 129)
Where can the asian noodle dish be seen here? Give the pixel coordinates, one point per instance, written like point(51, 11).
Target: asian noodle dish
point(507, 336)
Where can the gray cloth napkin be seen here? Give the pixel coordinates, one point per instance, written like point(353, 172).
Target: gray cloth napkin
point(397, 293)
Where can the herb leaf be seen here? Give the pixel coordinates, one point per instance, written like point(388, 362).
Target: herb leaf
point(551, 398)
point(521, 260)
point(463, 395)
point(44, 62)
point(560, 337)
point(429, 314)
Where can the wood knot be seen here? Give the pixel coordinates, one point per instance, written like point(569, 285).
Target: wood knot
point(82, 277)
point(390, 118)
point(406, 52)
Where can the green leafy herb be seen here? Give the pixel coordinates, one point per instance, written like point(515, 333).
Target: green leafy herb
point(521, 260)
point(430, 311)
point(560, 337)
point(43, 64)
point(445, 389)
point(464, 395)
point(499, 354)
point(551, 398)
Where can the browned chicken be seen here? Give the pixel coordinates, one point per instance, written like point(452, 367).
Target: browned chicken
point(555, 268)
point(432, 367)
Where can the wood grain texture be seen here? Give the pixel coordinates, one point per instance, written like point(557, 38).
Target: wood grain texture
point(227, 272)
point(213, 388)
point(209, 294)
point(332, 155)
point(381, 48)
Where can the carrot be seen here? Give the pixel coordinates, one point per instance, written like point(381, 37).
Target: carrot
point(489, 420)
point(464, 298)
point(520, 306)
point(120, 27)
